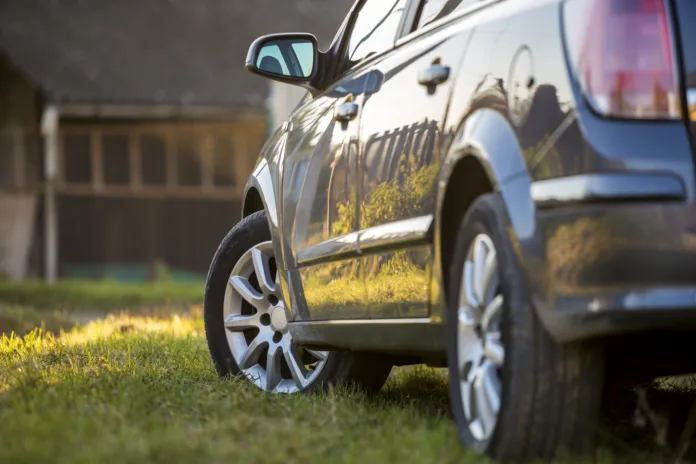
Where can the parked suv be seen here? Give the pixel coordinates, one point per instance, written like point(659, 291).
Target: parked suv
point(502, 187)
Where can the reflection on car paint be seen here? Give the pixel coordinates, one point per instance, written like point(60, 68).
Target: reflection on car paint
point(397, 283)
point(335, 290)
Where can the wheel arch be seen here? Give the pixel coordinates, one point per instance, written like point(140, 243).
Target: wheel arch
point(484, 157)
point(260, 195)
point(252, 202)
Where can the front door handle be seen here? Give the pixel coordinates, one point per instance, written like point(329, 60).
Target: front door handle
point(434, 75)
point(346, 111)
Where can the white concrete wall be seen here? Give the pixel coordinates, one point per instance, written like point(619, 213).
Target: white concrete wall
point(17, 217)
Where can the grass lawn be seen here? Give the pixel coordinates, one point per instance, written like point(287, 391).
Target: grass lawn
point(141, 388)
point(133, 389)
point(99, 295)
point(25, 306)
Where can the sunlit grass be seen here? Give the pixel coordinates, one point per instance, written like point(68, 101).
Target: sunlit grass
point(135, 389)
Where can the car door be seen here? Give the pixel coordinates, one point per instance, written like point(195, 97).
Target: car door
point(320, 179)
point(401, 137)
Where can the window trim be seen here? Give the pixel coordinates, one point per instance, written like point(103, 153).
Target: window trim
point(442, 21)
point(410, 19)
point(340, 56)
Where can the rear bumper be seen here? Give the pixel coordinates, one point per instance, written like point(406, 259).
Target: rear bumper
point(614, 266)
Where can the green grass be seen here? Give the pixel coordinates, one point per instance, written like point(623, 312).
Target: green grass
point(22, 320)
point(133, 389)
point(98, 295)
point(141, 388)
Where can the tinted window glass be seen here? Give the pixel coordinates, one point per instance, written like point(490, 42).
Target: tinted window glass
point(686, 11)
point(374, 30)
point(437, 9)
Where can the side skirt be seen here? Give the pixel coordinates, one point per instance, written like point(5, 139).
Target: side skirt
point(403, 336)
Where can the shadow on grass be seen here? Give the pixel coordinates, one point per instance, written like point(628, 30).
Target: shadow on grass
point(423, 389)
point(654, 423)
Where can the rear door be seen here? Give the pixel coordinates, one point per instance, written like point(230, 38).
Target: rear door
point(401, 137)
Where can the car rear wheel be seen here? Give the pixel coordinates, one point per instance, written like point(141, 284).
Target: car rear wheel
point(247, 327)
point(516, 394)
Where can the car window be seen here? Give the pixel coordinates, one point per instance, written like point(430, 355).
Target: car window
point(433, 10)
point(374, 30)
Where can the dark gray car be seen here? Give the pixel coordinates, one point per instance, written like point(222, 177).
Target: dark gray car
point(502, 187)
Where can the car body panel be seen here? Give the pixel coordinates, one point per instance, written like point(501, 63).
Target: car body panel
point(401, 133)
point(602, 211)
point(319, 183)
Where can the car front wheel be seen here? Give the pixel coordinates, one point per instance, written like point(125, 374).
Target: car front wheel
point(247, 327)
point(516, 394)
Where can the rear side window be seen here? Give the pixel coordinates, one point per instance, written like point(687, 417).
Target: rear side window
point(374, 30)
point(432, 10)
point(686, 12)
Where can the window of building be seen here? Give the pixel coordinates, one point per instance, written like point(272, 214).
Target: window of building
point(153, 160)
point(223, 162)
point(77, 159)
point(189, 169)
point(183, 159)
point(116, 159)
point(7, 160)
point(33, 159)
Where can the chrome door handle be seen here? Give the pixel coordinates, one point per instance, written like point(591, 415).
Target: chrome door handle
point(434, 75)
point(346, 111)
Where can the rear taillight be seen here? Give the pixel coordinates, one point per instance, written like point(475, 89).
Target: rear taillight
point(622, 55)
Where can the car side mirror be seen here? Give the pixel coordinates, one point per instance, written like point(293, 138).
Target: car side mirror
point(288, 58)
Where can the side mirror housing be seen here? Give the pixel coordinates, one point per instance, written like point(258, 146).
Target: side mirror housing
point(289, 58)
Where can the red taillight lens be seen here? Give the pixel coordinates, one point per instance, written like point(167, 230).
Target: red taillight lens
point(621, 51)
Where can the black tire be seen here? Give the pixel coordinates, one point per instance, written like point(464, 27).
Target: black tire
point(550, 393)
point(366, 371)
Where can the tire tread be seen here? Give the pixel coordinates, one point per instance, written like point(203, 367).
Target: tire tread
point(551, 392)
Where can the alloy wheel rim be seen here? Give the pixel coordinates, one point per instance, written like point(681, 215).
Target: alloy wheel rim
point(480, 349)
point(257, 327)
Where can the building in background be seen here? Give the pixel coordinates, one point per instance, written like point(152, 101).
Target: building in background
point(128, 128)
